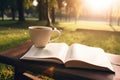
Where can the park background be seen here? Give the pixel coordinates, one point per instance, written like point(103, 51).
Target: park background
point(91, 22)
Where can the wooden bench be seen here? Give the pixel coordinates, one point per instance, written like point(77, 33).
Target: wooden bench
point(56, 71)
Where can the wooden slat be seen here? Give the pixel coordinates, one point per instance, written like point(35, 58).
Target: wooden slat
point(17, 51)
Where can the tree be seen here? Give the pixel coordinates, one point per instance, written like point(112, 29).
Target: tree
point(73, 8)
point(46, 10)
point(41, 10)
point(49, 22)
point(6, 5)
point(3, 6)
point(60, 3)
point(13, 6)
point(114, 12)
point(118, 12)
point(110, 16)
point(20, 8)
point(53, 5)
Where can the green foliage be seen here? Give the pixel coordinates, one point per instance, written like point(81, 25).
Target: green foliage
point(53, 3)
point(6, 72)
point(28, 4)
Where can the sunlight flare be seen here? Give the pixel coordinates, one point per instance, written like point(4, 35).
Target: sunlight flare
point(35, 3)
point(98, 5)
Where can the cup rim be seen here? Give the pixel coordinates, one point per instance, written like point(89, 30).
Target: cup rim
point(34, 27)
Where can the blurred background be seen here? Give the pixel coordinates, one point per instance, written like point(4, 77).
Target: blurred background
point(52, 10)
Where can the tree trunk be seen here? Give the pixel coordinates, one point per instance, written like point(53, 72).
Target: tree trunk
point(20, 10)
point(13, 13)
point(53, 15)
point(40, 9)
point(60, 5)
point(49, 22)
point(110, 17)
point(118, 22)
point(2, 14)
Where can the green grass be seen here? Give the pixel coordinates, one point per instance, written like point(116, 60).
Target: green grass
point(10, 37)
point(91, 33)
point(109, 41)
point(20, 25)
point(94, 25)
point(6, 72)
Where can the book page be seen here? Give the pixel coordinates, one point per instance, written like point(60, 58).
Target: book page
point(91, 55)
point(51, 51)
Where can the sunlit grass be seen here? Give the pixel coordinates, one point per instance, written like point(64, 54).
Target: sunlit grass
point(21, 25)
point(94, 25)
point(109, 41)
point(10, 37)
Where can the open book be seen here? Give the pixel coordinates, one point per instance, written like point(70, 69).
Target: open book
point(76, 56)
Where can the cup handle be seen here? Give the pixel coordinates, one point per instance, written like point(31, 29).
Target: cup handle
point(59, 34)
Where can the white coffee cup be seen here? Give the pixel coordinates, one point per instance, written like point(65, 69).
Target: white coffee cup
point(41, 35)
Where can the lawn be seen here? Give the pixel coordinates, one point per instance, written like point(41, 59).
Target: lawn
point(91, 33)
point(94, 25)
